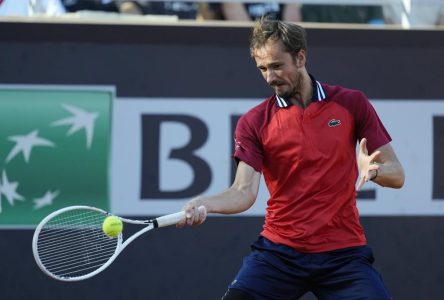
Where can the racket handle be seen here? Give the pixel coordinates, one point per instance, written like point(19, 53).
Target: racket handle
point(168, 220)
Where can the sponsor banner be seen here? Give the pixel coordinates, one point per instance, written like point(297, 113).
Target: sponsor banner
point(54, 150)
point(168, 150)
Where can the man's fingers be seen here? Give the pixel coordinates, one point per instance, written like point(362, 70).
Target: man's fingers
point(373, 167)
point(202, 214)
point(365, 178)
point(374, 155)
point(189, 215)
point(186, 219)
point(360, 183)
point(366, 163)
point(193, 216)
point(363, 146)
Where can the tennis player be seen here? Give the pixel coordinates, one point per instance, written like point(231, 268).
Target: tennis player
point(303, 140)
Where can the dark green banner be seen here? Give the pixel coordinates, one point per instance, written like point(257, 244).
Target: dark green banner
point(54, 150)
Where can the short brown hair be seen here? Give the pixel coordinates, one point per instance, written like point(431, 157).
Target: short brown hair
point(293, 36)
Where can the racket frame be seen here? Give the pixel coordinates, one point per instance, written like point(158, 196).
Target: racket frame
point(162, 221)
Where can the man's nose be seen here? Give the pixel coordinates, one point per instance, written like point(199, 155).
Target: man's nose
point(271, 77)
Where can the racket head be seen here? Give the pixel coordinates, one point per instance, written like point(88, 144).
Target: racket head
point(70, 245)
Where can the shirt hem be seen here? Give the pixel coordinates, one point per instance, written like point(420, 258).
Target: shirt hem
point(318, 248)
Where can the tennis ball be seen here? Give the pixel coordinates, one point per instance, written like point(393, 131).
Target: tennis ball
point(112, 226)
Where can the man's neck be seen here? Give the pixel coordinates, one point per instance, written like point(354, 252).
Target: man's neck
point(304, 97)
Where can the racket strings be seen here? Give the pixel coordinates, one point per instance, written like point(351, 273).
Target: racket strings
point(73, 244)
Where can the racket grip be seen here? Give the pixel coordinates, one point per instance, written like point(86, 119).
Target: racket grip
point(171, 219)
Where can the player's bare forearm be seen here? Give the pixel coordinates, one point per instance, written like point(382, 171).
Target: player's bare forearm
point(238, 198)
point(390, 174)
point(234, 200)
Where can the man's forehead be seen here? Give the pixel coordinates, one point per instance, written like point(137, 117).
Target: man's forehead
point(270, 48)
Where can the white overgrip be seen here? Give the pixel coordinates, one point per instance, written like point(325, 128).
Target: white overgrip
point(171, 219)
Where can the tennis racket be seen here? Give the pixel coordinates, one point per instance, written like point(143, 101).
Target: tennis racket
point(70, 245)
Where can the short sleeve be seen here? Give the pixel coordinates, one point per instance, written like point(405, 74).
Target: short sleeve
point(247, 145)
point(369, 125)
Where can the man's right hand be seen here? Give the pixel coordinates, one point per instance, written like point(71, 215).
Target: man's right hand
point(194, 214)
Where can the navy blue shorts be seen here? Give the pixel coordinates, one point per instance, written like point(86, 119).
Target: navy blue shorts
point(278, 272)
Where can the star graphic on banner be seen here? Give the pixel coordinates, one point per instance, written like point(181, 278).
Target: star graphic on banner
point(46, 200)
point(9, 190)
point(25, 143)
point(80, 119)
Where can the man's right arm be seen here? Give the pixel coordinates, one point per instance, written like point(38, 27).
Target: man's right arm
point(238, 198)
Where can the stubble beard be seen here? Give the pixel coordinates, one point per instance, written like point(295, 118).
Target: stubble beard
point(294, 93)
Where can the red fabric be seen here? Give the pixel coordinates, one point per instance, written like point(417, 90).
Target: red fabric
point(308, 159)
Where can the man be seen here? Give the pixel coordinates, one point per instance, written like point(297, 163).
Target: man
point(303, 140)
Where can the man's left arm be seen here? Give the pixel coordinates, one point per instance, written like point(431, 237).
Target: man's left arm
point(382, 166)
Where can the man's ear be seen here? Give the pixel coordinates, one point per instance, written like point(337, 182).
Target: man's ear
point(301, 59)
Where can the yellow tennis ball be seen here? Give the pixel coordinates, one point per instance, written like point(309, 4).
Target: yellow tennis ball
point(112, 226)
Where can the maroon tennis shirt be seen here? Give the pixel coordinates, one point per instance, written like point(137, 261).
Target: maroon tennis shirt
point(308, 160)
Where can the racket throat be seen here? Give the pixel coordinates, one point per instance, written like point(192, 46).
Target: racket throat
point(155, 223)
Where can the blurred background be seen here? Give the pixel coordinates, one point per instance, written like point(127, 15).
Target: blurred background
point(406, 13)
point(131, 105)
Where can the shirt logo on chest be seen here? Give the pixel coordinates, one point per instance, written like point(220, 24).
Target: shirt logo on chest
point(334, 123)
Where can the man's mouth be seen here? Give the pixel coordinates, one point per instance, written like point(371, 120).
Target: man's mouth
point(278, 86)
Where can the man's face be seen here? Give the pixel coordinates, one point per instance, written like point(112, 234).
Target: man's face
point(282, 70)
